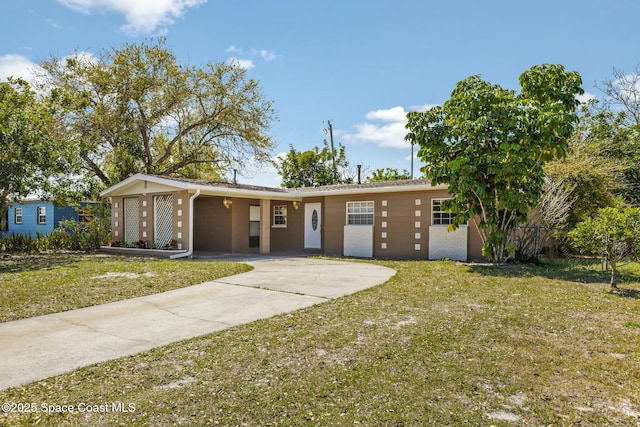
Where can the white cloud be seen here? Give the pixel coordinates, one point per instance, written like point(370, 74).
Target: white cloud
point(267, 56)
point(264, 174)
point(247, 64)
point(54, 24)
point(395, 114)
point(585, 97)
point(141, 16)
point(627, 87)
point(384, 127)
point(13, 65)
point(422, 107)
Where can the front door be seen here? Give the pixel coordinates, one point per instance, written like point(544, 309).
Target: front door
point(254, 226)
point(312, 226)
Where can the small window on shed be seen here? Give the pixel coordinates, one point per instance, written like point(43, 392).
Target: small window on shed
point(42, 215)
point(17, 216)
point(85, 214)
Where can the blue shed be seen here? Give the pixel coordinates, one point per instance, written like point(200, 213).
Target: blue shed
point(41, 216)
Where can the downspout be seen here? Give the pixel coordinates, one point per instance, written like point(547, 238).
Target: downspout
point(190, 251)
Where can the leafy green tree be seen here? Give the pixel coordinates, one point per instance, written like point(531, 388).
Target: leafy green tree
point(314, 167)
point(489, 145)
point(615, 123)
point(138, 110)
point(388, 174)
point(614, 233)
point(30, 156)
point(591, 177)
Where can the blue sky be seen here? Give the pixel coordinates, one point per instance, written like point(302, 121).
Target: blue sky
point(361, 64)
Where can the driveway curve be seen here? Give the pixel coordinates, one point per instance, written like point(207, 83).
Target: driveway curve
point(39, 347)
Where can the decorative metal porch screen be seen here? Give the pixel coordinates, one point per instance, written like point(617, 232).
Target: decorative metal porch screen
point(131, 219)
point(163, 219)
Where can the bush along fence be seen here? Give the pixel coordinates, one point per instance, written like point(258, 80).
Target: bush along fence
point(69, 235)
point(533, 242)
point(554, 245)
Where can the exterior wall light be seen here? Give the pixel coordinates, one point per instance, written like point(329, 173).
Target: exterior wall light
point(296, 204)
point(227, 202)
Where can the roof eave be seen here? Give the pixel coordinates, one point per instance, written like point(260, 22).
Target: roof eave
point(210, 190)
point(243, 193)
point(289, 194)
point(114, 189)
point(369, 190)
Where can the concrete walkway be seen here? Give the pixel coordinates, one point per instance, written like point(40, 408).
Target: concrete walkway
point(39, 347)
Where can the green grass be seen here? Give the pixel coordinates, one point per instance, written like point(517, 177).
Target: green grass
point(441, 343)
point(34, 285)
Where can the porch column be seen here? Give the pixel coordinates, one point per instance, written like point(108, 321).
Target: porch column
point(265, 226)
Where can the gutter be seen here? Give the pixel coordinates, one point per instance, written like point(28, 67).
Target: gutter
point(190, 251)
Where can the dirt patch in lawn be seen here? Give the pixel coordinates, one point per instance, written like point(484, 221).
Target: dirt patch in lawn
point(123, 274)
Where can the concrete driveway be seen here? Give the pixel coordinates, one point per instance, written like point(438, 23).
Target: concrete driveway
point(39, 347)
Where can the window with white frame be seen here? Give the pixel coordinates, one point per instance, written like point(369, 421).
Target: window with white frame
point(280, 216)
point(438, 215)
point(360, 213)
point(17, 216)
point(42, 215)
point(85, 214)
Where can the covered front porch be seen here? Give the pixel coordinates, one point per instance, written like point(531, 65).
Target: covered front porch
point(241, 225)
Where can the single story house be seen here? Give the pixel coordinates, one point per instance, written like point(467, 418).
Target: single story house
point(33, 216)
point(391, 219)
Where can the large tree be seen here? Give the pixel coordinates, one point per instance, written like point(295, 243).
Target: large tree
point(30, 156)
point(489, 145)
point(137, 109)
point(314, 167)
point(615, 124)
point(590, 175)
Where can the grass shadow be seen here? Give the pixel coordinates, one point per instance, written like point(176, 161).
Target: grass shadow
point(18, 263)
point(571, 270)
point(627, 293)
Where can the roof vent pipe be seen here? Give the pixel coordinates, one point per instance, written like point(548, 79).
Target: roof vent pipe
point(359, 172)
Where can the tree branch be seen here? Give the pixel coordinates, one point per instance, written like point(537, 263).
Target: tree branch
point(96, 169)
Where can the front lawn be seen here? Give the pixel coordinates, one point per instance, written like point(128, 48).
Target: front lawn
point(33, 285)
point(441, 343)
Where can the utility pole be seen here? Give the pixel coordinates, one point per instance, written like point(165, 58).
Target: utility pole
point(412, 160)
point(333, 151)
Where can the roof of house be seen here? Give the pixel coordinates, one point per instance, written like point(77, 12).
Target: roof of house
point(243, 190)
point(223, 184)
point(366, 185)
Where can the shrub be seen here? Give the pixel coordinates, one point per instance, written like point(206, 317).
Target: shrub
point(69, 235)
point(18, 243)
point(614, 233)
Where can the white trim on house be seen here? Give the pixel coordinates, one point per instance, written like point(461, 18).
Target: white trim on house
point(356, 189)
point(130, 186)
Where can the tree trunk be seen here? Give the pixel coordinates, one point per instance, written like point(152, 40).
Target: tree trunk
point(614, 275)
